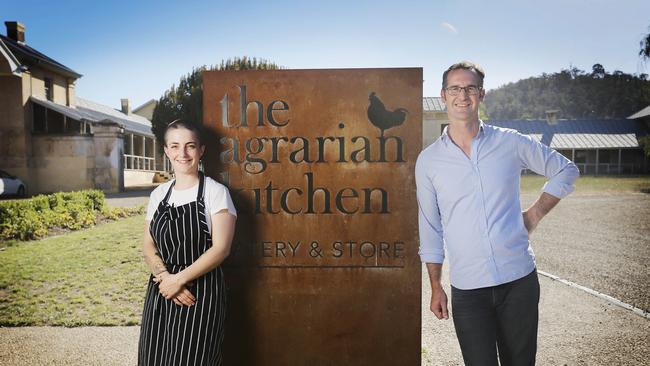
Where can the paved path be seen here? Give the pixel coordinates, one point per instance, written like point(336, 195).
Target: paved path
point(129, 198)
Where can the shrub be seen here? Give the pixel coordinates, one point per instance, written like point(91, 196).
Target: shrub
point(18, 222)
point(114, 213)
point(32, 218)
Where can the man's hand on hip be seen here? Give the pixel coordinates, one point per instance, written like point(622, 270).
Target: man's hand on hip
point(531, 219)
point(534, 214)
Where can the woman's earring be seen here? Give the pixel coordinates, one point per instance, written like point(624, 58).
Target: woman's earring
point(201, 168)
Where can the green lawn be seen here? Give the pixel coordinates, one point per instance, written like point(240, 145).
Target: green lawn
point(90, 277)
point(593, 184)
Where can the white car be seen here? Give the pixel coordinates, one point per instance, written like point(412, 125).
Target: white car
point(10, 185)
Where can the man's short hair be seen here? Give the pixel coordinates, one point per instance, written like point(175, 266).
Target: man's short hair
point(465, 65)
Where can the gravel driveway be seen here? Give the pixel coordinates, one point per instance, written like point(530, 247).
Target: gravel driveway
point(599, 241)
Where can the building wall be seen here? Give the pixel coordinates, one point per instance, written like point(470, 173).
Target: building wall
point(22, 153)
point(59, 85)
point(108, 140)
point(71, 96)
point(62, 163)
point(74, 162)
point(13, 132)
point(134, 178)
point(146, 111)
point(431, 126)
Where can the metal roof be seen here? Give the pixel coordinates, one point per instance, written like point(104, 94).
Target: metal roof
point(95, 112)
point(642, 113)
point(131, 122)
point(31, 57)
point(65, 110)
point(580, 134)
point(14, 63)
point(433, 104)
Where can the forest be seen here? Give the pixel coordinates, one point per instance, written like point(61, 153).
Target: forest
point(577, 94)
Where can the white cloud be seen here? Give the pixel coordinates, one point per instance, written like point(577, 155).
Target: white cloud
point(450, 28)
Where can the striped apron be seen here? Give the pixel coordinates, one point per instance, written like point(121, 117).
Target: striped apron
point(180, 335)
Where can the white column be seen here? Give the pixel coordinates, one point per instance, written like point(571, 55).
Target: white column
point(619, 161)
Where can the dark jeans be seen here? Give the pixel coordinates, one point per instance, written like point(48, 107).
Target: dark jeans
point(503, 317)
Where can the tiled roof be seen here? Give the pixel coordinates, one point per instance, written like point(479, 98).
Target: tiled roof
point(433, 104)
point(31, 57)
point(580, 134)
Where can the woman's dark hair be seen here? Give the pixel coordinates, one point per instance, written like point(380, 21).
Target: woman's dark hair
point(196, 129)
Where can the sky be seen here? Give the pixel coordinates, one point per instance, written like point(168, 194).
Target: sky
point(138, 49)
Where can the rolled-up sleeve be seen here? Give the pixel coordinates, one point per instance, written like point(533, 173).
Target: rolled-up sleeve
point(430, 226)
point(560, 171)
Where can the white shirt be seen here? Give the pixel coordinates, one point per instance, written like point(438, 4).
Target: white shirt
point(470, 205)
point(216, 197)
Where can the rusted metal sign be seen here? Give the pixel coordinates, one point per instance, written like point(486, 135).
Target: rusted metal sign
point(320, 163)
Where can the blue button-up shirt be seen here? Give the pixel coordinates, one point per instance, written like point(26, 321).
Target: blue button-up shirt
point(470, 205)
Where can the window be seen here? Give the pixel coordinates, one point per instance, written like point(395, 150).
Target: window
point(49, 92)
point(72, 126)
point(566, 153)
point(128, 146)
point(55, 122)
point(581, 156)
point(40, 124)
point(48, 121)
point(608, 156)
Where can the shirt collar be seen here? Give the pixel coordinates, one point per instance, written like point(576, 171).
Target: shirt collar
point(482, 131)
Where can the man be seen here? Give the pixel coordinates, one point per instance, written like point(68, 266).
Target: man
point(468, 196)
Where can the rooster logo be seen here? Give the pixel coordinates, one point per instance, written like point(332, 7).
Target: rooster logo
point(382, 118)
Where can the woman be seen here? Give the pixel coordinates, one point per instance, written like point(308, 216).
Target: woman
point(190, 224)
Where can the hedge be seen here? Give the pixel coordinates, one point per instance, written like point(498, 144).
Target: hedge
point(33, 218)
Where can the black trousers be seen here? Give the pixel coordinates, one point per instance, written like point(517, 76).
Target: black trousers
point(501, 317)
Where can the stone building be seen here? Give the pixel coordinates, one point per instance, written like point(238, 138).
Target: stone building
point(54, 141)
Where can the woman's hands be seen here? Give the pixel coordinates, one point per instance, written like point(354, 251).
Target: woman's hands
point(172, 287)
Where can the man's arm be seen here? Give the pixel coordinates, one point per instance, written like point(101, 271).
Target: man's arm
point(560, 172)
point(431, 238)
point(534, 214)
point(438, 296)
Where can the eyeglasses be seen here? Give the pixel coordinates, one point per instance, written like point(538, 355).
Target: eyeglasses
point(470, 89)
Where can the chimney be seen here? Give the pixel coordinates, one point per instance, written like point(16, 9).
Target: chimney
point(551, 116)
point(126, 108)
point(16, 31)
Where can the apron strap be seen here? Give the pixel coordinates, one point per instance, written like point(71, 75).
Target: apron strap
point(169, 192)
point(199, 195)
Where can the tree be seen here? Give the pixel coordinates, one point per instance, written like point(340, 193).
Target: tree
point(598, 71)
point(186, 100)
point(576, 93)
point(645, 142)
point(645, 47)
